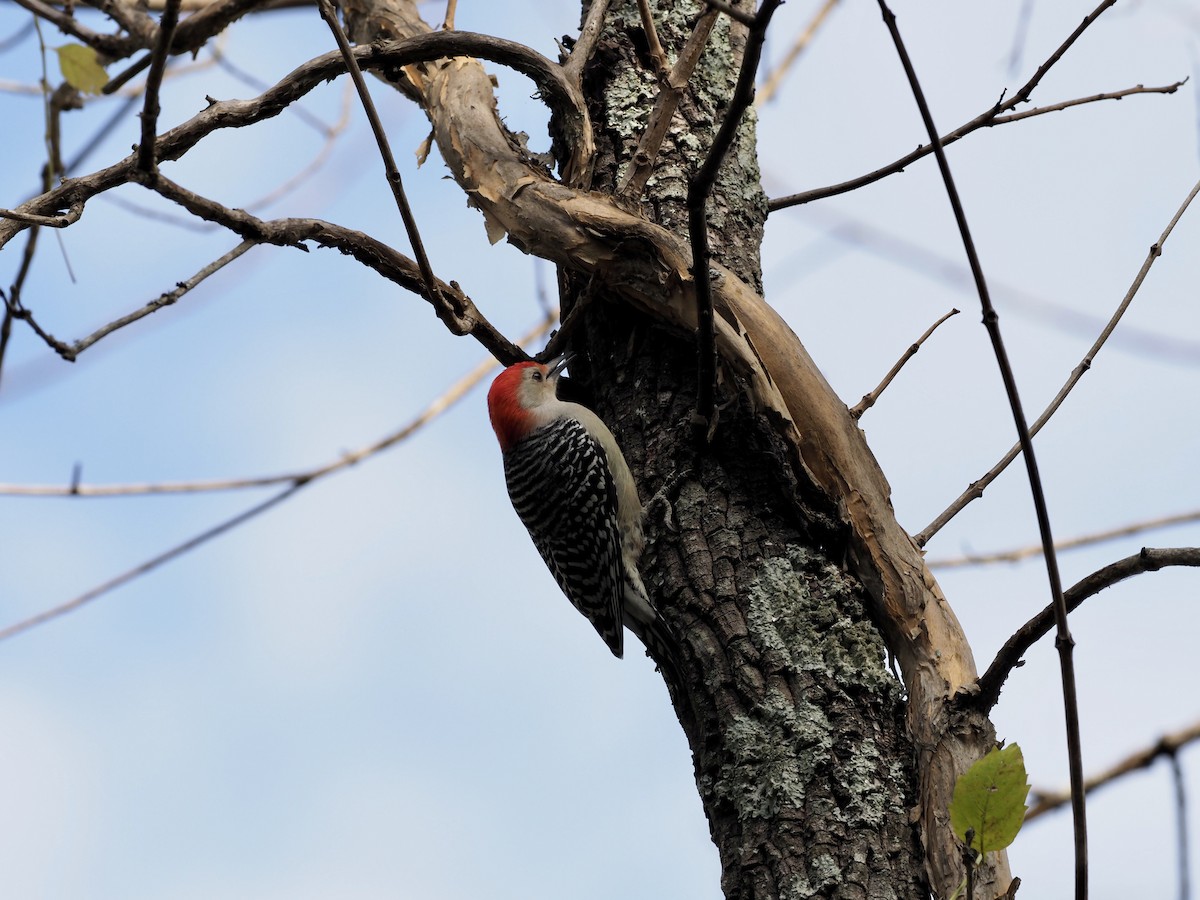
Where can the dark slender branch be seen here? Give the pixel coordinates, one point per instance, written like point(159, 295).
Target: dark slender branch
point(133, 19)
point(699, 188)
point(460, 314)
point(112, 45)
point(212, 19)
point(1094, 98)
point(158, 66)
point(1010, 655)
point(5, 333)
point(1168, 745)
point(429, 280)
point(127, 74)
point(869, 399)
point(1024, 92)
point(553, 89)
point(1181, 824)
point(166, 299)
point(976, 488)
point(984, 119)
point(747, 19)
point(991, 320)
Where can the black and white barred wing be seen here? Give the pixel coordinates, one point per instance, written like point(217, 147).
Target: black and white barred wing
point(560, 485)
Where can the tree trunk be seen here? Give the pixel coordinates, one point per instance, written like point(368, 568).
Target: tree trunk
point(797, 728)
point(773, 551)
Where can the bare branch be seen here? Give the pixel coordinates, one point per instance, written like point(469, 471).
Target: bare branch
point(61, 221)
point(733, 12)
point(1085, 540)
point(70, 352)
point(559, 94)
point(459, 313)
point(1168, 745)
point(661, 63)
point(112, 45)
point(428, 279)
point(991, 321)
point(869, 399)
point(158, 65)
point(1094, 98)
point(1009, 656)
point(297, 482)
point(589, 35)
point(642, 164)
point(132, 18)
point(984, 119)
point(166, 299)
point(699, 188)
point(976, 489)
point(775, 79)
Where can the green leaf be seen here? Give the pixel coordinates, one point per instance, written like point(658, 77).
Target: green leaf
point(990, 799)
point(81, 68)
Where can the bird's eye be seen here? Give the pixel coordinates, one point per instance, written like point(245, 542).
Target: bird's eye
point(536, 376)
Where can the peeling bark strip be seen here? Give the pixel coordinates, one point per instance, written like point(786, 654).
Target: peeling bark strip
point(647, 264)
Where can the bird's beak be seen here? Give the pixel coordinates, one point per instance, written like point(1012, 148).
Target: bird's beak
point(557, 365)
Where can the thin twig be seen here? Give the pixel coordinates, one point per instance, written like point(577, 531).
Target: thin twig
point(781, 71)
point(127, 74)
point(976, 488)
point(385, 151)
point(991, 320)
point(1010, 655)
point(447, 400)
point(166, 299)
point(5, 333)
point(642, 164)
point(739, 15)
point(1086, 540)
point(70, 217)
point(869, 399)
point(116, 46)
point(1168, 745)
point(448, 20)
point(661, 64)
point(699, 188)
point(70, 352)
point(158, 65)
point(589, 36)
point(1094, 98)
point(554, 89)
point(1181, 825)
point(984, 119)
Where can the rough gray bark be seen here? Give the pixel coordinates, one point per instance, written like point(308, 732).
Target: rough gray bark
point(789, 486)
point(797, 728)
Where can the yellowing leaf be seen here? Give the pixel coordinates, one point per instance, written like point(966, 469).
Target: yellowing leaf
point(81, 68)
point(989, 798)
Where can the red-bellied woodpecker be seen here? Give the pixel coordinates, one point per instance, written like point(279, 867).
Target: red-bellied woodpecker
point(571, 487)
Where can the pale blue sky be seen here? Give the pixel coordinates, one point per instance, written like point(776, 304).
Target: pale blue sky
point(375, 690)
